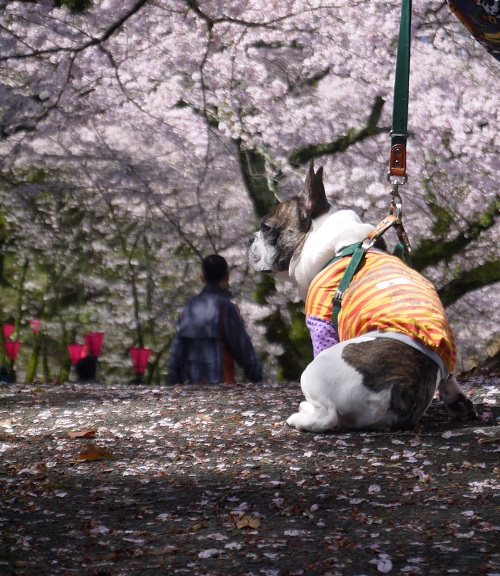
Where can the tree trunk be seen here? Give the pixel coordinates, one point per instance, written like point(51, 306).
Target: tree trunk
point(45, 362)
point(33, 359)
point(278, 325)
point(254, 173)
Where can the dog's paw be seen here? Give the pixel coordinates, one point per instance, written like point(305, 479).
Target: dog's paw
point(294, 421)
point(317, 421)
point(462, 408)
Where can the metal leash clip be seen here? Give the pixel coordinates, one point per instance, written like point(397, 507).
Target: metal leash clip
point(396, 203)
point(397, 210)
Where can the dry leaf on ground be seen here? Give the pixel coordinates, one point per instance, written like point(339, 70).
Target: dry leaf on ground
point(82, 433)
point(246, 521)
point(94, 452)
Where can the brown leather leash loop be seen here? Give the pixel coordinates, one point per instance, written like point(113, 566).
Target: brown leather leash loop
point(379, 230)
point(397, 162)
point(393, 219)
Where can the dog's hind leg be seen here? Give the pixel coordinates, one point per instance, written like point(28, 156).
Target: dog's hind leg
point(336, 396)
point(317, 413)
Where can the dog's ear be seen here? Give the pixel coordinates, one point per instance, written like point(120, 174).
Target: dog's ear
point(316, 203)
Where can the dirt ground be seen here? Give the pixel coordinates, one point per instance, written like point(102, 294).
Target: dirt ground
point(121, 479)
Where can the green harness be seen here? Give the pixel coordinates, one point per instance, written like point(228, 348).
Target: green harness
point(357, 252)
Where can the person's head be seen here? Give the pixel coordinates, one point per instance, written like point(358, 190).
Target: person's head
point(215, 269)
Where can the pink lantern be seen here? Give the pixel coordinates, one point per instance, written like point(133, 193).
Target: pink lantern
point(140, 357)
point(93, 341)
point(35, 325)
point(7, 330)
point(77, 352)
point(12, 349)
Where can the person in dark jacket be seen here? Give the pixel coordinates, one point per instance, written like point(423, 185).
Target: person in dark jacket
point(210, 334)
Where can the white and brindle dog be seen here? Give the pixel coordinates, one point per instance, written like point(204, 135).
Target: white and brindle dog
point(378, 380)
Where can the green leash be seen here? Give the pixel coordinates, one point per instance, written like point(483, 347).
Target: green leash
point(399, 132)
point(397, 165)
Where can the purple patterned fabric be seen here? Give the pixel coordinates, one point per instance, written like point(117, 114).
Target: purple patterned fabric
point(323, 334)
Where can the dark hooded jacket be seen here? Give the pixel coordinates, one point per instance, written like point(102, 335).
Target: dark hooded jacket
point(210, 334)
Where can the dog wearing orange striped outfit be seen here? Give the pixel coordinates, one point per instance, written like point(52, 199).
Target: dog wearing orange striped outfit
point(393, 348)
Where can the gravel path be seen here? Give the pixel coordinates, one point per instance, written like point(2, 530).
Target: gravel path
point(209, 481)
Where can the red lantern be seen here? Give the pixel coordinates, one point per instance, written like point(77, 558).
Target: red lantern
point(12, 349)
point(93, 341)
point(7, 330)
point(77, 352)
point(35, 325)
point(140, 357)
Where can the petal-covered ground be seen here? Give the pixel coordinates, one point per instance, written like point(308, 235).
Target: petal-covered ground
point(116, 480)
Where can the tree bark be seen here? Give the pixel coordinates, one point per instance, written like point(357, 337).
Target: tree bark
point(431, 252)
point(254, 174)
point(479, 277)
point(33, 359)
point(342, 143)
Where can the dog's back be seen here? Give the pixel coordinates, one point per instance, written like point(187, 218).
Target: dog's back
point(386, 296)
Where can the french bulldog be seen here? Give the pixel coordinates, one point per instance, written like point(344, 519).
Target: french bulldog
point(394, 347)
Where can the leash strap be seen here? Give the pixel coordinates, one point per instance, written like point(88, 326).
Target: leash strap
point(357, 253)
point(397, 167)
point(379, 230)
point(399, 133)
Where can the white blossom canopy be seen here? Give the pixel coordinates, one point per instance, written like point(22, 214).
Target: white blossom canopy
point(138, 111)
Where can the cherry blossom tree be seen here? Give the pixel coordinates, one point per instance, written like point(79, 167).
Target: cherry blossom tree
point(161, 130)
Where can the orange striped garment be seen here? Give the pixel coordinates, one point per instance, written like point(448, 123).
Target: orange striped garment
point(384, 295)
